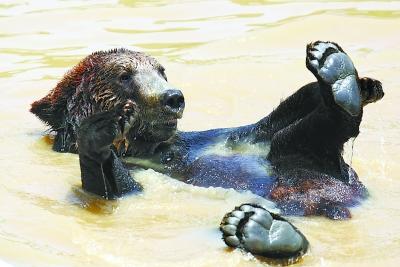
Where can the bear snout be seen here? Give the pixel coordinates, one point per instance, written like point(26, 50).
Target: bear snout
point(172, 100)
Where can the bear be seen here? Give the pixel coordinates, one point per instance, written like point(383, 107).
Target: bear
point(119, 103)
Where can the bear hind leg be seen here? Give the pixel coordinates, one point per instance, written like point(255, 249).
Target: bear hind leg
point(254, 229)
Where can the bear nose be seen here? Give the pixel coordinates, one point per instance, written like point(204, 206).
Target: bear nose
point(173, 100)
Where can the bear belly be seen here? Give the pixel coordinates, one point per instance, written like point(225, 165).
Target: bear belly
point(239, 172)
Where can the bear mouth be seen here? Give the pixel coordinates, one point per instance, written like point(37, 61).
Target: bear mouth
point(155, 130)
point(169, 124)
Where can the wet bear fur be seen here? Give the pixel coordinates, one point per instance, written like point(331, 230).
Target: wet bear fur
point(306, 133)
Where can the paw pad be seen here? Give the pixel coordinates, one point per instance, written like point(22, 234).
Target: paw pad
point(254, 229)
point(332, 66)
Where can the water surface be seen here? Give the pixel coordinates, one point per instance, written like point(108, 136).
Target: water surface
point(234, 61)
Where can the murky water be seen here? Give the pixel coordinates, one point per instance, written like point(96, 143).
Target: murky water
point(234, 60)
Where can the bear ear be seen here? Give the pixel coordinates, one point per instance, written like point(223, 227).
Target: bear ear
point(51, 109)
point(46, 112)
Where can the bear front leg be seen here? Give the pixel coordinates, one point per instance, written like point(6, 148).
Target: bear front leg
point(102, 172)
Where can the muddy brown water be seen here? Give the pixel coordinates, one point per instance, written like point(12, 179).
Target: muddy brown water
point(234, 61)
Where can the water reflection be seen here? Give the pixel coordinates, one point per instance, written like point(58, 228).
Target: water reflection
point(215, 51)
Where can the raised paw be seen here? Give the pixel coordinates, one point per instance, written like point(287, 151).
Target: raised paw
point(127, 114)
point(333, 67)
point(126, 117)
point(254, 229)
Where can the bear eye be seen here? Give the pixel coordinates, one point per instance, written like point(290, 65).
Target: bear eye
point(125, 77)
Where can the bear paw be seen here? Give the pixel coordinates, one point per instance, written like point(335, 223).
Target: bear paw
point(254, 229)
point(126, 116)
point(127, 113)
point(332, 66)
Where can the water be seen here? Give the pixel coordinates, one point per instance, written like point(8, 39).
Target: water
point(234, 60)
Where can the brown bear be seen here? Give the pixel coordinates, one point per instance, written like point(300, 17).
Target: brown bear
point(119, 103)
